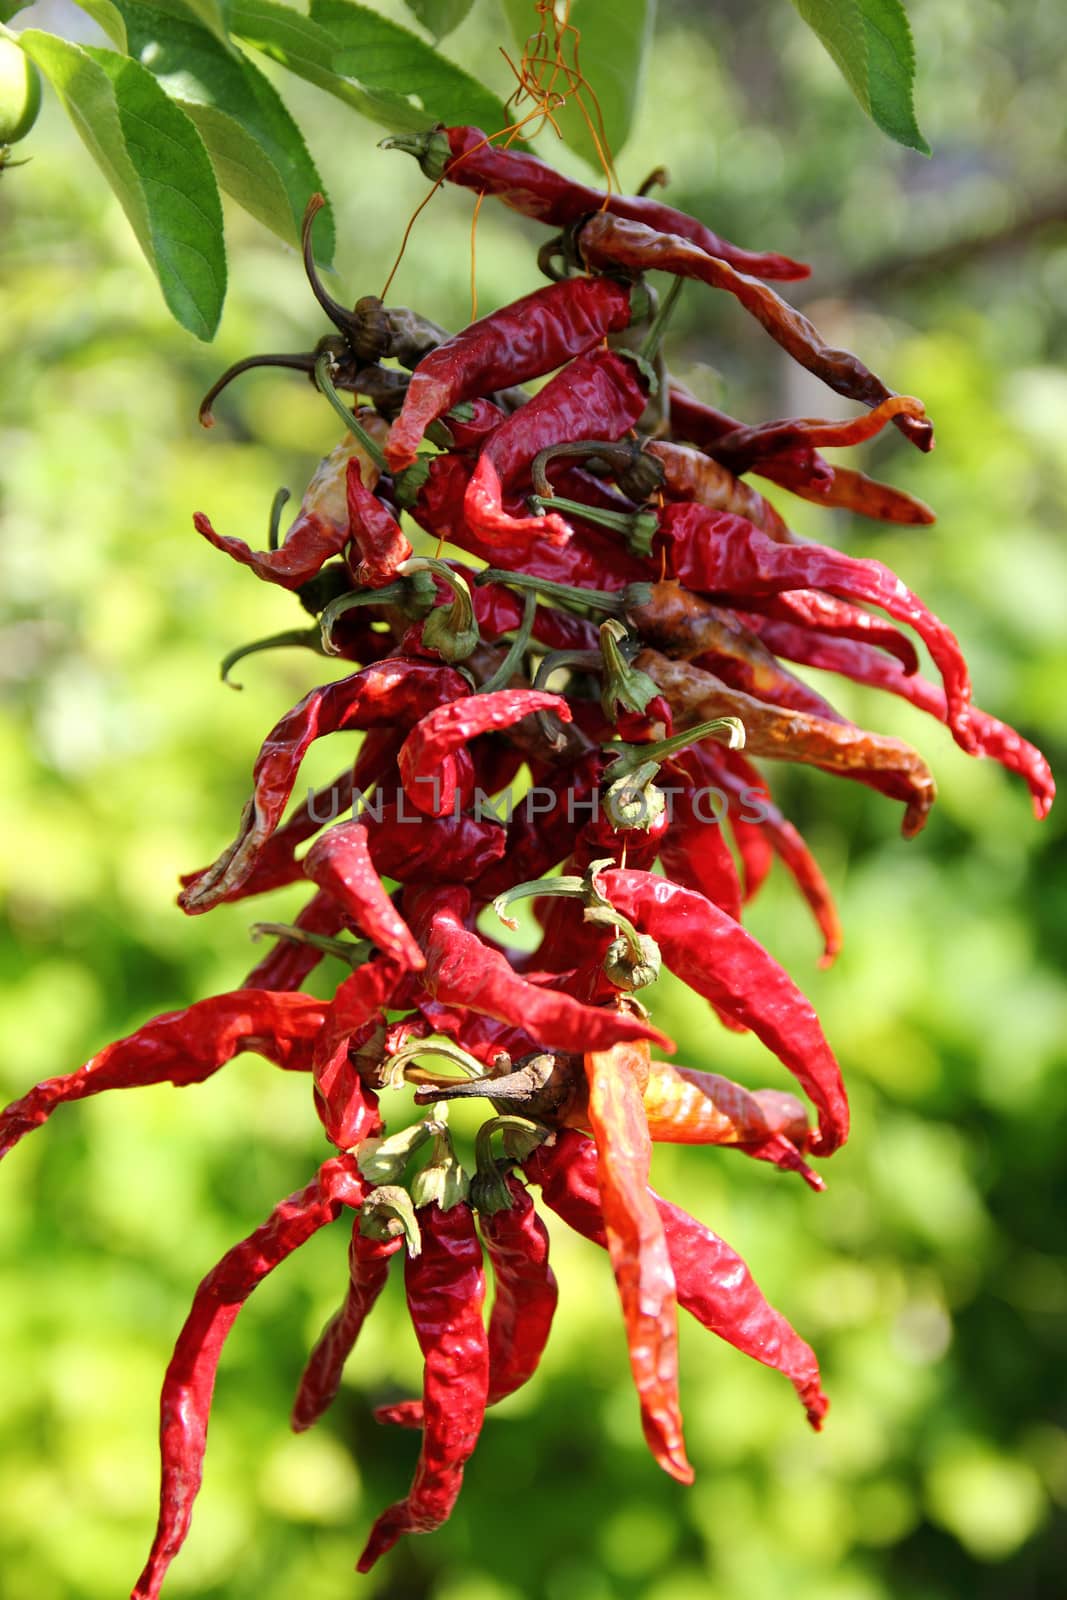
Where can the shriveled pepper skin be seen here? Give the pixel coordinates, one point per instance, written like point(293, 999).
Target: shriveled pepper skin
point(424, 756)
point(713, 1283)
point(190, 1380)
point(531, 186)
point(532, 336)
point(617, 1079)
point(368, 1268)
point(445, 1290)
point(717, 958)
point(340, 863)
point(181, 1047)
point(377, 536)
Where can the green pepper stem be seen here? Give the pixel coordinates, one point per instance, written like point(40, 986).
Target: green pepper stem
point(295, 361)
point(607, 451)
point(460, 621)
point(624, 684)
point(388, 1213)
point(729, 731)
point(517, 649)
point(277, 505)
point(391, 593)
point(396, 1071)
point(384, 1160)
point(355, 952)
point(638, 528)
point(564, 594)
point(308, 637)
point(442, 1181)
point(430, 149)
point(523, 1136)
point(324, 365)
point(658, 327)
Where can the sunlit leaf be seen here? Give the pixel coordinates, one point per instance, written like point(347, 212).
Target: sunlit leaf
point(870, 40)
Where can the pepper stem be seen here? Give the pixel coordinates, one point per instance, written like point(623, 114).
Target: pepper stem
point(355, 952)
point(277, 506)
point(624, 684)
point(654, 337)
point(389, 594)
point(442, 1181)
point(521, 1139)
point(384, 1160)
point(324, 366)
point(612, 453)
point(397, 1072)
point(450, 630)
point(295, 361)
point(430, 149)
point(308, 637)
point(638, 528)
point(566, 595)
point(388, 1213)
point(517, 649)
point(729, 731)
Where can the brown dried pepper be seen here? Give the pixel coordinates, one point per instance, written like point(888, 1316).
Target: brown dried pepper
point(190, 1380)
point(607, 243)
point(743, 447)
point(716, 957)
point(368, 1268)
point(714, 1285)
point(429, 747)
point(884, 763)
point(445, 1290)
point(689, 474)
point(617, 1079)
point(320, 530)
point(340, 863)
point(532, 336)
point(465, 156)
point(390, 693)
point(180, 1047)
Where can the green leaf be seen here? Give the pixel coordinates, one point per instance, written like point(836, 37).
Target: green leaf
point(10, 8)
point(615, 40)
point(210, 14)
point(382, 55)
point(109, 18)
point(310, 52)
point(870, 40)
point(257, 149)
point(156, 163)
point(439, 17)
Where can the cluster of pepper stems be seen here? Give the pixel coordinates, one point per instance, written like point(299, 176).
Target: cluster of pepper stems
point(623, 553)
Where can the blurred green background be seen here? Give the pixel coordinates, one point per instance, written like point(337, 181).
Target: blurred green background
point(931, 1277)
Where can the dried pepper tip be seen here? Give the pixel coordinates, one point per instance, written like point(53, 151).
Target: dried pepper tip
point(638, 528)
point(383, 1161)
point(450, 630)
point(430, 149)
point(442, 1182)
point(354, 951)
point(388, 1213)
point(624, 684)
point(307, 638)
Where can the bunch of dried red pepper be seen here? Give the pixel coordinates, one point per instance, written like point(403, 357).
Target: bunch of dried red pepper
point(621, 552)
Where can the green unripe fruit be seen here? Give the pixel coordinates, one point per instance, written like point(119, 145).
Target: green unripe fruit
point(20, 93)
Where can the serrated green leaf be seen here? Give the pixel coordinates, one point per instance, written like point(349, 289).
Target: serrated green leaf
point(156, 163)
point(381, 55)
point(257, 149)
point(439, 17)
point(109, 18)
point(615, 39)
point(870, 40)
point(298, 44)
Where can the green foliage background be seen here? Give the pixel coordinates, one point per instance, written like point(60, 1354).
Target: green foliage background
point(931, 1277)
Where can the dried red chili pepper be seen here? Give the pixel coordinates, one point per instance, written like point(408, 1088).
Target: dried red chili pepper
point(857, 661)
point(426, 752)
point(600, 394)
point(368, 1268)
point(689, 474)
point(810, 609)
point(717, 553)
point(321, 529)
point(523, 340)
point(743, 447)
point(390, 693)
point(636, 1243)
point(716, 957)
point(465, 156)
point(437, 850)
point(524, 1301)
point(713, 1283)
point(445, 1289)
point(375, 532)
point(340, 863)
point(190, 1381)
point(838, 747)
point(608, 242)
point(461, 969)
point(181, 1047)
point(687, 1107)
point(694, 853)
